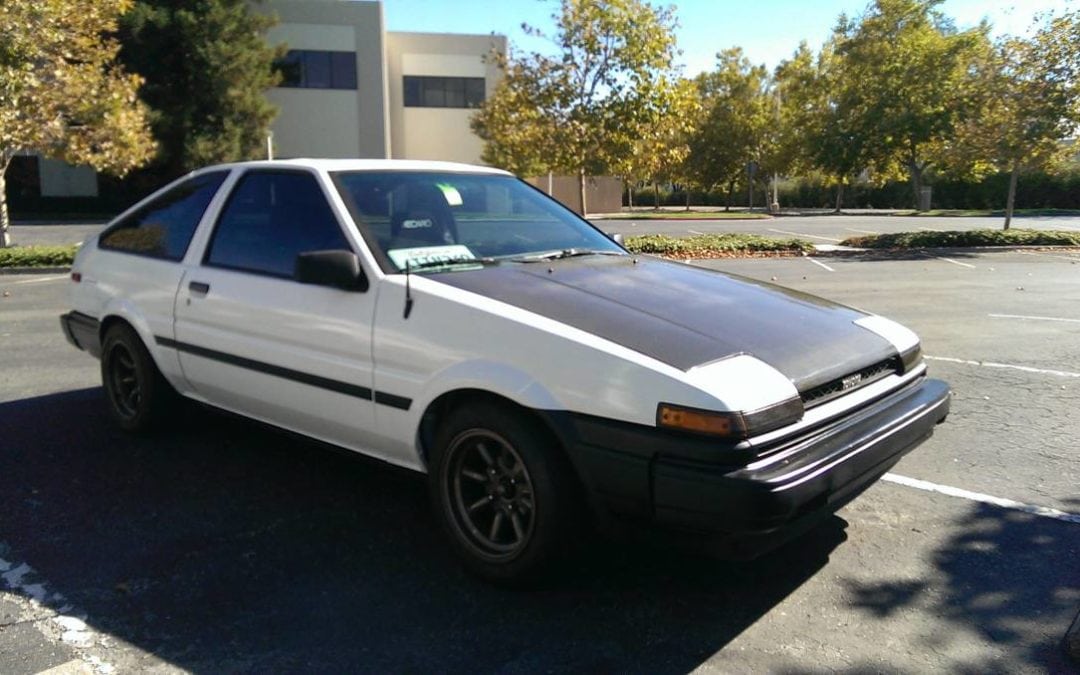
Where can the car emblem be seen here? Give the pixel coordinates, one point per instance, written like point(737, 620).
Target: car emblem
point(850, 382)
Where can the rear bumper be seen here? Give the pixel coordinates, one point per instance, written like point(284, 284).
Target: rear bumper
point(83, 331)
point(758, 505)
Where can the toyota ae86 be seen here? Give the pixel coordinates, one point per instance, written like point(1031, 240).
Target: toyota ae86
point(454, 320)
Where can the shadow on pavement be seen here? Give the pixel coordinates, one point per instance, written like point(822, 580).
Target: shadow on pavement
point(226, 546)
point(1000, 574)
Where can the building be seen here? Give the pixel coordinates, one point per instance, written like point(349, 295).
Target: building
point(350, 89)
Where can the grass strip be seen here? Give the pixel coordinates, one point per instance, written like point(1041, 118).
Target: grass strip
point(37, 256)
point(969, 238)
point(726, 245)
point(687, 215)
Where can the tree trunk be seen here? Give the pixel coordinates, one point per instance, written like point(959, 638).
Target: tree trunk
point(655, 196)
point(916, 181)
point(630, 194)
point(581, 191)
point(5, 221)
point(839, 197)
point(687, 197)
point(730, 193)
point(1011, 201)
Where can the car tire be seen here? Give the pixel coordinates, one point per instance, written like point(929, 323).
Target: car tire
point(139, 397)
point(504, 493)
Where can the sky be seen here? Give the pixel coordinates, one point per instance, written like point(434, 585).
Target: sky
point(767, 30)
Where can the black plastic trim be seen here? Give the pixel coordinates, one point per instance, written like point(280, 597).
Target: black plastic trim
point(364, 393)
point(83, 331)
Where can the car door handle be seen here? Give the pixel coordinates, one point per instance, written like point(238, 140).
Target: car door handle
point(199, 287)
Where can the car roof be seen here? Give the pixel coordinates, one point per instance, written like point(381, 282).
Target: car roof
point(364, 165)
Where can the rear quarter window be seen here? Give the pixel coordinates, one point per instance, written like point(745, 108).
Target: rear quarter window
point(163, 228)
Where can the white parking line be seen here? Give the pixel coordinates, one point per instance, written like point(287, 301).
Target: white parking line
point(950, 260)
point(695, 232)
point(73, 629)
point(801, 234)
point(1033, 318)
point(38, 280)
point(852, 229)
point(991, 364)
point(1042, 511)
point(821, 264)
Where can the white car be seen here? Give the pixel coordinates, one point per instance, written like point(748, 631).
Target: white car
point(454, 320)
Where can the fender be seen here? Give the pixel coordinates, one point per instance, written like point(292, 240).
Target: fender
point(166, 360)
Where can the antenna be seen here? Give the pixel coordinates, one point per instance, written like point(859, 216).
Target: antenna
point(408, 289)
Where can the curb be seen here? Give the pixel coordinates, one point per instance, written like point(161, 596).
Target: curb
point(33, 270)
point(1072, 640)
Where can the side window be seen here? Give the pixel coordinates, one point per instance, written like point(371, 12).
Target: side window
point(270, 218)
point(164, 227)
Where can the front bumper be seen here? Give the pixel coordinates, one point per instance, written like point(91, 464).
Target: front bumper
point(83, 331)
point(759, 504)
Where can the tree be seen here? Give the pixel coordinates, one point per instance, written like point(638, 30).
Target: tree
point(736, 114)
point(590, 97)
point(207, 67)
point(1024, 92)
point(904, 66)
point(62, 93)
point(821, 116)
point(661, 144)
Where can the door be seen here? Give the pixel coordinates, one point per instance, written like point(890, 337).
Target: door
point(253, 340)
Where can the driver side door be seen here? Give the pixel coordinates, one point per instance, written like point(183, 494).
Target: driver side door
point(252, 340)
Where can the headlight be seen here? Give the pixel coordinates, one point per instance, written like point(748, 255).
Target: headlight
point(911, 358)
point(736, 425)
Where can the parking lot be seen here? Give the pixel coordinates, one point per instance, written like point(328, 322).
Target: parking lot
point(230, 547)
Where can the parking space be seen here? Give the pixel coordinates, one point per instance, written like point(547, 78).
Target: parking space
point(226, 546)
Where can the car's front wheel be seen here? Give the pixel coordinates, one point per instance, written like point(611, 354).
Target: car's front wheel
point(138, 395)
point(504, 492)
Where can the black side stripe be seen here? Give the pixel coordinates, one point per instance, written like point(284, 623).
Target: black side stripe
point(346, 388)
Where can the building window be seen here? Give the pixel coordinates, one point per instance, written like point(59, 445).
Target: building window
point(443, 92)
point(310, 69)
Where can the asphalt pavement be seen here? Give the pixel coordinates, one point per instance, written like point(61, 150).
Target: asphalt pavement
point(829, 229)
point(224, 546)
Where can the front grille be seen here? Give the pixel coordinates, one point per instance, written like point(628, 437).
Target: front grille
point(850, 382)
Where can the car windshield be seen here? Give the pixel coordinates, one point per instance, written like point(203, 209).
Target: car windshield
point(436, 221)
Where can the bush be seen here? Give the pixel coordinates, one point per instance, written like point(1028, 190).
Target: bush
point(37, 256)
point(714, 245)
point(924, 239)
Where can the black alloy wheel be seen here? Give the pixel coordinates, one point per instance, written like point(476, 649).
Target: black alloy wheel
point(140, 398)
point(491, 494)
point(505, 492)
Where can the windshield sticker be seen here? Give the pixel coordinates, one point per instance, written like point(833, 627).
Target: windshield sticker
point(427, 256)
point(417, 224)
point(453, 197)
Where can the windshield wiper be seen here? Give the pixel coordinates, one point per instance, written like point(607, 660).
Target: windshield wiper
point(564, 253)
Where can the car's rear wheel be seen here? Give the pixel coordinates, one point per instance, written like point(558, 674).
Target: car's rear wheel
point(140, 399)
point(504, 492)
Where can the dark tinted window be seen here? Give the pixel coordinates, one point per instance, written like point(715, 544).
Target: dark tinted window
point(270, 218)
point(164, 227)
point(443, 92)
point(315, 69)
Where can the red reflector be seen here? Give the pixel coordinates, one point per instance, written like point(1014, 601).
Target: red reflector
point(76, 277)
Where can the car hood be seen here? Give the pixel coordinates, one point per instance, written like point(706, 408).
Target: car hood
point(686, 316)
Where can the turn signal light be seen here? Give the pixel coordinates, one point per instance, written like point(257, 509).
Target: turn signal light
point(700, 421)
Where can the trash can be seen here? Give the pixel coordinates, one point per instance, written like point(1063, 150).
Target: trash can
point(924, 198)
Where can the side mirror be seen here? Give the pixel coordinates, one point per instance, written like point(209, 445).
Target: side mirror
point(616, 237)
point(338, 269)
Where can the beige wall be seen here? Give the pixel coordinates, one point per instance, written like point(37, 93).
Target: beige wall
point(603, 194)
point(333, 122)
point(436, 133)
